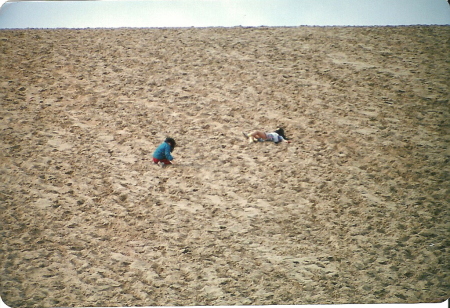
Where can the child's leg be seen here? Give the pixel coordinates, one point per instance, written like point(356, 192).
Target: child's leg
point(258, 135)
point(164, 161)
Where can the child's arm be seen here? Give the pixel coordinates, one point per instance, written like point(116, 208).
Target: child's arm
point(284, 140)
point(167, 152)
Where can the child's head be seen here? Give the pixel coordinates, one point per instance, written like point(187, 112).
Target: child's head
point(171, 142)
point(280, 132)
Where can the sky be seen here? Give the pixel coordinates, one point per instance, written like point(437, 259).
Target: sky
point(221, 13)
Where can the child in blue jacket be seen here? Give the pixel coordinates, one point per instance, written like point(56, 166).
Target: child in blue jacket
point(163, 152)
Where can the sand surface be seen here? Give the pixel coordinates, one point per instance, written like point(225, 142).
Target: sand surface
point(355, 210)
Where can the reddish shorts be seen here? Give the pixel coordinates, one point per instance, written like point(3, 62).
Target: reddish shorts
point(164, 161)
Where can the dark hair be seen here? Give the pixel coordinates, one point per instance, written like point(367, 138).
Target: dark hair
point(171, 142)
point(280, 132)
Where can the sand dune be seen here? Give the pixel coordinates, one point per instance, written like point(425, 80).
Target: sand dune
point(355, 210)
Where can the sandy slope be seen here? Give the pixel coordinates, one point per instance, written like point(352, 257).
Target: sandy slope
point(355, 210)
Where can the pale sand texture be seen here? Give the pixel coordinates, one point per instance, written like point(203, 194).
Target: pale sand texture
point(355, 210)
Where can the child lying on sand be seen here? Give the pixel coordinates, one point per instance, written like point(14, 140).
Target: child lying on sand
point(276, 136)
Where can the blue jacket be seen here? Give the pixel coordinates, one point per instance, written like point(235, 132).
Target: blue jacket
point(163, 152)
